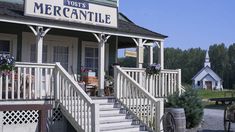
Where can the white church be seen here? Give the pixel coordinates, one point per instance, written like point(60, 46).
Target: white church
point(206, 78)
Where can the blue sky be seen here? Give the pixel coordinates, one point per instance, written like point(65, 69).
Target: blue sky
point(188, 23)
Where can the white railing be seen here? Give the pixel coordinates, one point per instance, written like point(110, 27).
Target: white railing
point(76, 102)
point(138, 100)
point(32, 81)
point(28, 81)
point(161, 85)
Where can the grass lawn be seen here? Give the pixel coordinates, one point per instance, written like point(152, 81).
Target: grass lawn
point(206, 94)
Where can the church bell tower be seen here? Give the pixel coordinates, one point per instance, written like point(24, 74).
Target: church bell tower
point(207, 60)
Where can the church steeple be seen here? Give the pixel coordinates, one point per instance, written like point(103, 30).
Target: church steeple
point(207, 60)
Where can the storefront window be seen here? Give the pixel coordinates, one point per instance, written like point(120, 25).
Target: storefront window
point(91, 58)
point(4, 46)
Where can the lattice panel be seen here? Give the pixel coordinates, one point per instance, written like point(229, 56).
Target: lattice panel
point(56, 115)
point(20, 117)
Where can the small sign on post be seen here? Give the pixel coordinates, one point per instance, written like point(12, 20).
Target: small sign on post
point(130, 53)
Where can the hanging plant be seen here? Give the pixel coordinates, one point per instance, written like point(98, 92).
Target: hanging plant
point(7, 64)
point(153, 69)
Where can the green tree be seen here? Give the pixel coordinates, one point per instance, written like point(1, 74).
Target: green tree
point(231, 55)
point(220, 62)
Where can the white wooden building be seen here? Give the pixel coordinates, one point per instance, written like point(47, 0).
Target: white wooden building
point(206, 78)
point(52, 41)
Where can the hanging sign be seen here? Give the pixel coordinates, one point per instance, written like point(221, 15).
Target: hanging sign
point(79, 11)
point(130, 53)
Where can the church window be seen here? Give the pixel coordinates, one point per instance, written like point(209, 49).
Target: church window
point(198, 83)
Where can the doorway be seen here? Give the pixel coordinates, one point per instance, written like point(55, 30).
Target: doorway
point(208, 85)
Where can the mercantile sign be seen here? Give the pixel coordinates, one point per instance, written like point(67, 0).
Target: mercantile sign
point(79, 11)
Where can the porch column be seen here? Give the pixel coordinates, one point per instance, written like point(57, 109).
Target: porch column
point(150, 58)
point(102, 39)
point(39, 33)
point(140, 52)
point(161, 54)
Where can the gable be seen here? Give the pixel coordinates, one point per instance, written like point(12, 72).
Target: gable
point(204, 72)
point(209, 77)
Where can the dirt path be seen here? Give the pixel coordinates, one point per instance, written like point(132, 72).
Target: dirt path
point(213, 121)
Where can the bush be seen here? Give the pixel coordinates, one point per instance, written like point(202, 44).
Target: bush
point(192, 104)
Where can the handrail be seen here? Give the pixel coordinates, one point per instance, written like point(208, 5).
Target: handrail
point(73, 83)
point(159, 85)
point(27, 64)
point(143, 70)
point(76, 102)
point(137, 85)
point(138, 100)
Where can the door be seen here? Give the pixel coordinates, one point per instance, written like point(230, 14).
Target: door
point(208, 85)
point(61, 54)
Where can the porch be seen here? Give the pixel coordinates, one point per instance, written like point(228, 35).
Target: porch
point(33, 82)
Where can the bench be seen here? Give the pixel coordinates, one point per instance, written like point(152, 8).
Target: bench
point(227, 100)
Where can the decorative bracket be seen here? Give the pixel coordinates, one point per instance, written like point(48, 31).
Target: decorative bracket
point(39, 30)
point(101, 38)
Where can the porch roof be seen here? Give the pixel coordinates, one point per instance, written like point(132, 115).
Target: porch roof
point(14, 13)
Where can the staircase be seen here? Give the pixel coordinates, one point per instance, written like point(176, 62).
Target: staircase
point(113, 117)
point(137, 104)
point(132, 109)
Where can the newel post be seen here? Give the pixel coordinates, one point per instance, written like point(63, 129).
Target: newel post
point(179, 81)
point(57, 82)
point(95, 117)
point(117, 81)
point(159, 109)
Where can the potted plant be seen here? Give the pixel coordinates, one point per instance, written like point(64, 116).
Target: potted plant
point(153, 69)
point(7, 64)
point(192, 105)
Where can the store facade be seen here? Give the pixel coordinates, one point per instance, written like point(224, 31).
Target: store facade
point(79, 35)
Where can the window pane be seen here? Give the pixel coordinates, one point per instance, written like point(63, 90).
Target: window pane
point(88, 62)
point(61, 54)
point(4, 46)
point(89, 52)
point(96, 52)
point(91, 59)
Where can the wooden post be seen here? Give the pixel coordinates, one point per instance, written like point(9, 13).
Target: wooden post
point(101, 71)
point(150, 61)
point(140, 54)
point(161, 55)
point(159, 109)
point(39, 45)
point(95, 117)
point(179, 81)
point(57, 83)
point(39, 33)
point(102, 39)
point(116, 80)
